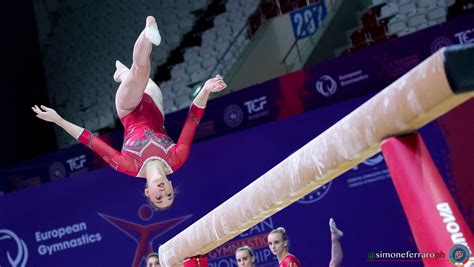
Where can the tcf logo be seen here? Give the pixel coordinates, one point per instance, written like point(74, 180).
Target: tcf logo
point(77, 163)
point(464, 37)
point(256, 105)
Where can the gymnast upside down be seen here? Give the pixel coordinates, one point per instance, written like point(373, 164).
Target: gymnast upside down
point(147, 152)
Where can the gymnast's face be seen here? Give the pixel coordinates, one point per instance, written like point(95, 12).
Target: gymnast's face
point(244, 259)
point(153, 262)
point(276, 244)
point(160, 192)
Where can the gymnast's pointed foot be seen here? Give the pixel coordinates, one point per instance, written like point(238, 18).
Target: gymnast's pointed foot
point(335, 232)
point(120, 70)
point(151, 31)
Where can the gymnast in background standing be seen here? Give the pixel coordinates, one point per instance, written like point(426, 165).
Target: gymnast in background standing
point(278, 244)
point(153, 260)
point(245, 257)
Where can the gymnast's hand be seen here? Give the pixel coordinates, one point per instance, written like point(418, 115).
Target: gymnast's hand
point(215, 84)
point(46, 114)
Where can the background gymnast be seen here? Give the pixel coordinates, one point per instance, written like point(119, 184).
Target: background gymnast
point(278, 244)
point(147, 152)
point(153, 260)
point(245, 257)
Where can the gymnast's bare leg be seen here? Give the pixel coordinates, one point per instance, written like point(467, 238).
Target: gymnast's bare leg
point(134, 82)
point(336, 249)
point(151, 88)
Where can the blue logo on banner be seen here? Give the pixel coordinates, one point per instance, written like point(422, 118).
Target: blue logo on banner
point(57, 171)
point(233, 116)
point(316, 194)
point(21, 256)
point(373, 161)
point(306, 21)
point(326, 85)
point(439, 42)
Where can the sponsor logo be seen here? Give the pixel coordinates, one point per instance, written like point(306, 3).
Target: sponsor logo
point(20, 258)
point(316, 194)
point(57, 171)
point(465, 37)
point(233, 116)
point(65, 238)
point(439, 43)
point(352, 77)
point(76, 163)
point(256, 108)
point(395, 67)
point(326, 85)
point(365, 175)
point(460, 253)
point(373, 161)
point(256, 105)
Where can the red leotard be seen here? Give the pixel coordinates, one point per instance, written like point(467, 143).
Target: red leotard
point(145, 139)
point(290, 261)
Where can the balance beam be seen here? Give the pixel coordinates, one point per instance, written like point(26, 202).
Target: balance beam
point(432, 88)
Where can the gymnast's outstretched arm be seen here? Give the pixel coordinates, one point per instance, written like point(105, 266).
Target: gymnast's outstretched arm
point(108, 153)
point(49, 114)
point(212, 85)
point(196, 111)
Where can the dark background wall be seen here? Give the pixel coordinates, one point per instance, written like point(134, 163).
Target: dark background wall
point(21, 85)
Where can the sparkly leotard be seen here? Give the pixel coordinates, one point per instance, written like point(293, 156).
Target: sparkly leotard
point(145, 139)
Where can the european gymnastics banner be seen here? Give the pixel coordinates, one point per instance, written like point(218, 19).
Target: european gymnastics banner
point(101, 218)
